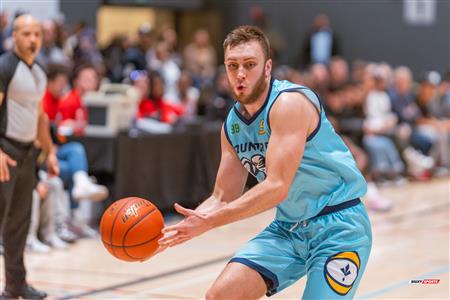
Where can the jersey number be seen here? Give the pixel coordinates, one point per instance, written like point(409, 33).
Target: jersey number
point(235, 128)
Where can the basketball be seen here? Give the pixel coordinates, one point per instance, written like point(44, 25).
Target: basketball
point(130, 229)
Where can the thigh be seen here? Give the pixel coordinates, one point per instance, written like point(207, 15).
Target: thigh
point(237, 281)
point(272, 254)
point(339, 254)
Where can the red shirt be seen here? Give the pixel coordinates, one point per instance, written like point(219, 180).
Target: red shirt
point(70, 104)
point(50, 104)
point(159, 109)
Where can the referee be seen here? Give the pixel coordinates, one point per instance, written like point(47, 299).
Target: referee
point(22, 85)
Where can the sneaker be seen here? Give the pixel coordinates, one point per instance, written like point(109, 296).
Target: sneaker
point(65, 234)
point(416, 161)
point(375, 201)
point(85, 231)
point(379, 204)
point(86, 189)
point(26, 291)
point(55, 242)
point(35, 245)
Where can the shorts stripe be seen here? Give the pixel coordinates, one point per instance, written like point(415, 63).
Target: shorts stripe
point(269, 277)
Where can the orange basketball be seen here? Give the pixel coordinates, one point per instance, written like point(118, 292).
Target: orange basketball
point(130, 229)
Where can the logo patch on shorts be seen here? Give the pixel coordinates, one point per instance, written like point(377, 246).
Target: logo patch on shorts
point(341, 271)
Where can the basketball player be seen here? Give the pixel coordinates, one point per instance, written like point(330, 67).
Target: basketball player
point(22, 85)
point(277, 131)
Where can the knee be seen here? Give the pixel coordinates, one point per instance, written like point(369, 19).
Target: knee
point(77, 148)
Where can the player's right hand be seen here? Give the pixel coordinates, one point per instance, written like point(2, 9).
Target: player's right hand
point(5, 163)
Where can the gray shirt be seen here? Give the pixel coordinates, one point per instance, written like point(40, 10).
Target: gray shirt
point(23, 87)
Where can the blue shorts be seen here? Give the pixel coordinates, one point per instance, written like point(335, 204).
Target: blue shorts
point(331, 249)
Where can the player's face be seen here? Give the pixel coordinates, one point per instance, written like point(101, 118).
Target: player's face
point(247, 70)
point(28, 38)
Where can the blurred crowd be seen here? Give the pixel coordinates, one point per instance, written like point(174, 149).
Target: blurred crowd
point(396, 127)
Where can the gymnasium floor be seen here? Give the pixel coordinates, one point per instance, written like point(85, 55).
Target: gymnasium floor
point(410, 242)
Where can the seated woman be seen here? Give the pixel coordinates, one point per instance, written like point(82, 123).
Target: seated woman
point(152, 104)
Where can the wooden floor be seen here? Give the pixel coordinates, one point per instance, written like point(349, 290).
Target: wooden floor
point(410, 242)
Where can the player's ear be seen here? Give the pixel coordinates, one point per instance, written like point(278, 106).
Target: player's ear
point(268, 67)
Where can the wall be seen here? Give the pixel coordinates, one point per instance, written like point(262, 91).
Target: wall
point(370, 30)
point(77, 10)
point(41, 9)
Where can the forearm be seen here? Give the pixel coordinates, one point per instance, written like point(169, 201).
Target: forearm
point(211, 204)
point(43, 135)
point(260, 198)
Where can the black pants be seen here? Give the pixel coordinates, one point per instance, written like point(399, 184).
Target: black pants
point(15, 209)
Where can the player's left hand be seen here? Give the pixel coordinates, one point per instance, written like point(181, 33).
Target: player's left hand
point(52, 165)
point(194, 224)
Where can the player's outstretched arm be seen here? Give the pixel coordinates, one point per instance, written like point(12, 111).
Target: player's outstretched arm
point(230, 183)
point(292, 119)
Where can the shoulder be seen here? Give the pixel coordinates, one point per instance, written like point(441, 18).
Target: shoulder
point(41, 66)
point(8, 63)
point(291, 102)
point(290, 108)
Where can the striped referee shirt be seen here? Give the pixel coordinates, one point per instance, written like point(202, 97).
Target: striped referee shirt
point(23, 86)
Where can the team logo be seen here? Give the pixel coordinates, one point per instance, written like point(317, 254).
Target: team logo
point(341, 271)
point(261, 128)
point(256, 165)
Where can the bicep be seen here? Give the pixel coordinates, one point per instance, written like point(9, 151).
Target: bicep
point(231, 176)
point(292, 119)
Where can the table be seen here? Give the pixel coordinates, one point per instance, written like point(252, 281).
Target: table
point(166, 168)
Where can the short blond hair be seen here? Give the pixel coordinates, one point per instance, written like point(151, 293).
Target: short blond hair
point(247, 33)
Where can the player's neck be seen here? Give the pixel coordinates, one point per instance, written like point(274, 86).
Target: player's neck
point(251, 109)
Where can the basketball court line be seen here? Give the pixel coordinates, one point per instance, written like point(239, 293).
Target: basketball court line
point(391, 287)
point(171, 286)
point(145, 279)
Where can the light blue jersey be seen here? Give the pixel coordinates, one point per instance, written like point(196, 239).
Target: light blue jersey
point(327, 174)
point(321, 229)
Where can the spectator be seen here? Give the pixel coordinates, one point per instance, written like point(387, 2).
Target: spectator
point(435, 120)
point(321, 43)
point(152, 104)
point(86, 51)
point(51, 53)
point(200, 59)
point(260, 19)
point(170, 36)
point(188, 95)
point(222, 101)
point(112, 57)
point(405, 107)
point(57, 84)
point(47, 193)
point(169, 70)
point(358, 67)
point(379, 124)
point(319, 79)
point(339, 73)
point(138, 56)
point(72, 111)
point(73, 40)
